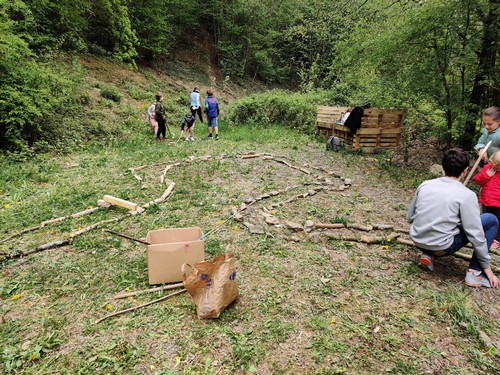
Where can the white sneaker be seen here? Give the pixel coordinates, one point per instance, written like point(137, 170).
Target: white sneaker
point(191, 139)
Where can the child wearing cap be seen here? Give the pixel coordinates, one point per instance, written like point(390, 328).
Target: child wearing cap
point(188, 124)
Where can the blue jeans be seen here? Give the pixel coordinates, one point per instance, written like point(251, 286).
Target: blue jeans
point(490, 227)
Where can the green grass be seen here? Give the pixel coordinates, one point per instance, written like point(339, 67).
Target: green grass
point(307, 304)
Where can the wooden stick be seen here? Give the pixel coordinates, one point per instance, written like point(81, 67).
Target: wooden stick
point(19, 233)
point(140, 306)
point(93, 226)
point(131, 294)
point(329, 226)
point(38, 249)
point(85, 212)
point(477, 163)
point(127, 237)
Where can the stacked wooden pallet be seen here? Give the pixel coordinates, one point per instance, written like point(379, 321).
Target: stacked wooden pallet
point(380, 128)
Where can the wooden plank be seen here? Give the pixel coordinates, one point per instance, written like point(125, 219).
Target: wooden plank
point(367, 131)
point(120, 202)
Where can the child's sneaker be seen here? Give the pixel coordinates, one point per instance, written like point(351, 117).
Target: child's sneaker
point(191, 138)
point(217, 137)
point(210, 135)
point(427, 261)
point(477, 279)
point(495, 244)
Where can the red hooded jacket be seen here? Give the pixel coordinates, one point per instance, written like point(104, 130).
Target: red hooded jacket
point(490, 191)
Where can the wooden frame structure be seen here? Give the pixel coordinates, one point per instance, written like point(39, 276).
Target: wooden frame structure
point(380, 128)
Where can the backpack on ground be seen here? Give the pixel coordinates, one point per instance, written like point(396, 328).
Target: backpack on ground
point(334, 144)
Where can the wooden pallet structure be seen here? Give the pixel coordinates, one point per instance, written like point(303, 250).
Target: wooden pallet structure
point(380, 128)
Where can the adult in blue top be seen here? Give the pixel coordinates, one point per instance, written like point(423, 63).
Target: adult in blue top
point(195, 105)
point(212, 111)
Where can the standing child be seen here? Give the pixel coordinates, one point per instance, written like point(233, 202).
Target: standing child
point(188, 124)
point(151, 118)
point(160, 117)
point(489, 179)
point(195, 105)
point(212, 111)
point(491, 132)
point(444, 217)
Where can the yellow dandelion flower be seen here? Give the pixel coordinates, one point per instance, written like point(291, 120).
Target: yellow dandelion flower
point(177, 361)
point(333, 321)
point(235, 227)
point(109, 307)
point(273, 212)
point(219, 222)
point(309, 217)
point(18, 202)
point(388, 240)
point(6, 206)
point(79, 228)
point(205, 217)
point(16, 296)
point(152, 368)
point(386, 247)
point(90, 207)
point(34, 356)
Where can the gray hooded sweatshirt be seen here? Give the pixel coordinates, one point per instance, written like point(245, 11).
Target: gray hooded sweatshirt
point(438, 207)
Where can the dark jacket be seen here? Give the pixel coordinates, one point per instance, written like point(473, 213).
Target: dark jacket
point(353, 122)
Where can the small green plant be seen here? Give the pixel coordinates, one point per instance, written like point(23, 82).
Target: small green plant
point(339, 220)
point(111, 93)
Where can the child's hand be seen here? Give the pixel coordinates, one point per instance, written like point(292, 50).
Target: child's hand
point(491, 172)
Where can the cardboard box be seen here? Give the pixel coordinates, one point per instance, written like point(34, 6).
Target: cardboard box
point(170, 249)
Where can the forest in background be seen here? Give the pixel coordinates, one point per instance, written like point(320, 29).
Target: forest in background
point(437, 57)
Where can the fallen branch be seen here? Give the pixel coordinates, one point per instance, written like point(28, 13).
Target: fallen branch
point(93, 226)
point(84, 212)
point(131, 294)
point(20, 233)
point(140, 306)
point(38, 249)
point(363, 238)
point(127, 237)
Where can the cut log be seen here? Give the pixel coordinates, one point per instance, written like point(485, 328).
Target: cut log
point(120, 202)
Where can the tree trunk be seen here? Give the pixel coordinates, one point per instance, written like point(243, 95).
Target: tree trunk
point(483, 94)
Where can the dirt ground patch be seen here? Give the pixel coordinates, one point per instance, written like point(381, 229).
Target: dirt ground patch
point(309, 303)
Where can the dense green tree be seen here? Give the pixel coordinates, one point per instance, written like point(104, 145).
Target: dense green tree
point(32, 94)
point(425, 56)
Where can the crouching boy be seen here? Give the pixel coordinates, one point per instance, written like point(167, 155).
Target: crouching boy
point(445, 216)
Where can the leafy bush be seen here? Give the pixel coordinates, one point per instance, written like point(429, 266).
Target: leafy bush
point(292, 110)
point(111, 93)
point(34, 94)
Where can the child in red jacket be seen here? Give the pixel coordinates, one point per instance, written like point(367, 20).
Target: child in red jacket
point(489, 180)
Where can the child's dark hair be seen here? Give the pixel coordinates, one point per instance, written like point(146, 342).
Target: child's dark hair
point(455, 160)
point(209, 92)
point(493, 112)
point(158, 96)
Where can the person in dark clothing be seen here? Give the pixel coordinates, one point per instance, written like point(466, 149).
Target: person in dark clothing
point(160, 117)
point(353, 122)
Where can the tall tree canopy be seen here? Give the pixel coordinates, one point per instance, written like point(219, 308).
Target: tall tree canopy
point(437, 56)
